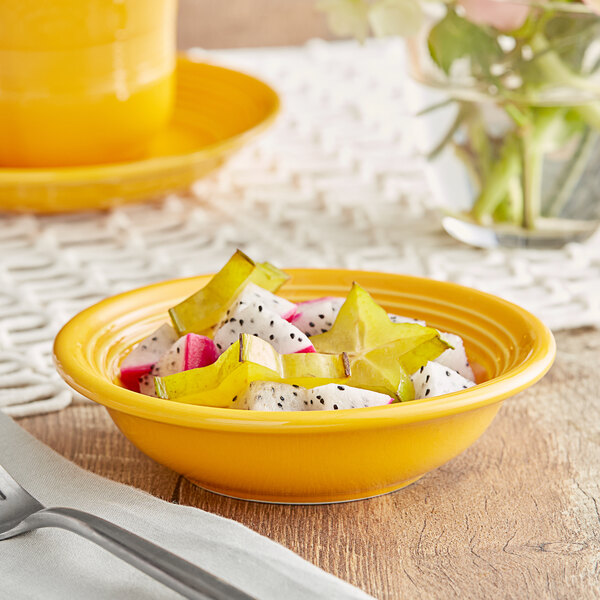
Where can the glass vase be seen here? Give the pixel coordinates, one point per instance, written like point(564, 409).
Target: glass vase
point(512, 147)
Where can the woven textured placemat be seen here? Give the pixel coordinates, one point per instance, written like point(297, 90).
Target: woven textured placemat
point(335, 182)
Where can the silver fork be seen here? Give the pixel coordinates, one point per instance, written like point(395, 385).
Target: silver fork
point(20, 512)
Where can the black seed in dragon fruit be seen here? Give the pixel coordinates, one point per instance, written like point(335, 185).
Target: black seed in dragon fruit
point(257, 320)
point(142, 358)
point(146, 385)
point(189, 352)
point(455, 358)
point(266, 395)
point(316, 316)
point(435, 379)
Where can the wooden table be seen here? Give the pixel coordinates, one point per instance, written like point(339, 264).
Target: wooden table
point(515, 516)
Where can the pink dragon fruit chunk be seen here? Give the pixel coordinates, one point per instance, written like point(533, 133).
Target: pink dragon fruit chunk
point(189, 352)
point(200, 351)
point(455, 358)
point(435, 379)
point(340, 397)
point(316, 316)
point(255, 319)
point(142, 358)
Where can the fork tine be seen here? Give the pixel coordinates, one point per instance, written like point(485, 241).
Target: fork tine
point(13, 493)
point(7, 482)
point(16, 504)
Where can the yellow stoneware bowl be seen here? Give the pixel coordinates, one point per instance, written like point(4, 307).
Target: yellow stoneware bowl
point(310, 457)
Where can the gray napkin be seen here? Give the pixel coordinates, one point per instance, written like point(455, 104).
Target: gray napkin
point(55, 564)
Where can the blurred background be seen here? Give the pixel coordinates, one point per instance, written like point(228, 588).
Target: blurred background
point(247, 23)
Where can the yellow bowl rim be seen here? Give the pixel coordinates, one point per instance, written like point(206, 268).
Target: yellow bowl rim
point(92, 173)
point(70, 362)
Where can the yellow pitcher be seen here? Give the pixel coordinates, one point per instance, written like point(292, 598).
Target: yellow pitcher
point(83, 81)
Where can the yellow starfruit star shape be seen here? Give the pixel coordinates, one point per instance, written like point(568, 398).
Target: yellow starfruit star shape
point(382, 354)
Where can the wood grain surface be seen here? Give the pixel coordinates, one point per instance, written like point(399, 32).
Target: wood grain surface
point(248, 23)
point(515, 516)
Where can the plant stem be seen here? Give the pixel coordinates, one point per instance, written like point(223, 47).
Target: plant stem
point(554, 70)
point(514, 200)
point(522, 153)
point(432, 107)
point(460, 116)
point(532, 179)
point(494, 189)
point(572, 173)
point(480, 143)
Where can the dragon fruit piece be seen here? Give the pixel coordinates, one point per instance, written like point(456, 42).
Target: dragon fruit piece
point(142, 358)
point(455, 358)
point(189, 352)
point(316, 316)
point(400, 319)
point(267, 395)
point(265, 324)
point(435, 379)
point(146, 385)
point(340, 397)
point(254, 295)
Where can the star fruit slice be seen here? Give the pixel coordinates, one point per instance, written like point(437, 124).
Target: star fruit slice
point(250, 359)
point(382, 354)
point(203, 310)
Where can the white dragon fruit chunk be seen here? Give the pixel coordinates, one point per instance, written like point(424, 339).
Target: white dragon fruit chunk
point(265, 324)
point(270, 396)
point(254, 295)
point(340, 397)
point(316, 316)
point(189, 352)
point(435, 379)
point(142, 358)
point(146, 385)
point(267, 395)
point(400, 319)
point(455, 358)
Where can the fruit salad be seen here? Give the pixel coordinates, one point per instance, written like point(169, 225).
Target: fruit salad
point(236, 344)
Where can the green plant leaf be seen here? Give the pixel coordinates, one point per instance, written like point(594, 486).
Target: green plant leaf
point(570, 37)
point(454, 37)
point(395, 17)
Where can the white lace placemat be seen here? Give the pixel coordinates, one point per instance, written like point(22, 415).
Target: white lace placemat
point(334, 183)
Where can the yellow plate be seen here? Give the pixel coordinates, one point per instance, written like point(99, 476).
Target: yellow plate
point(309, 457)
point(216, 111)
